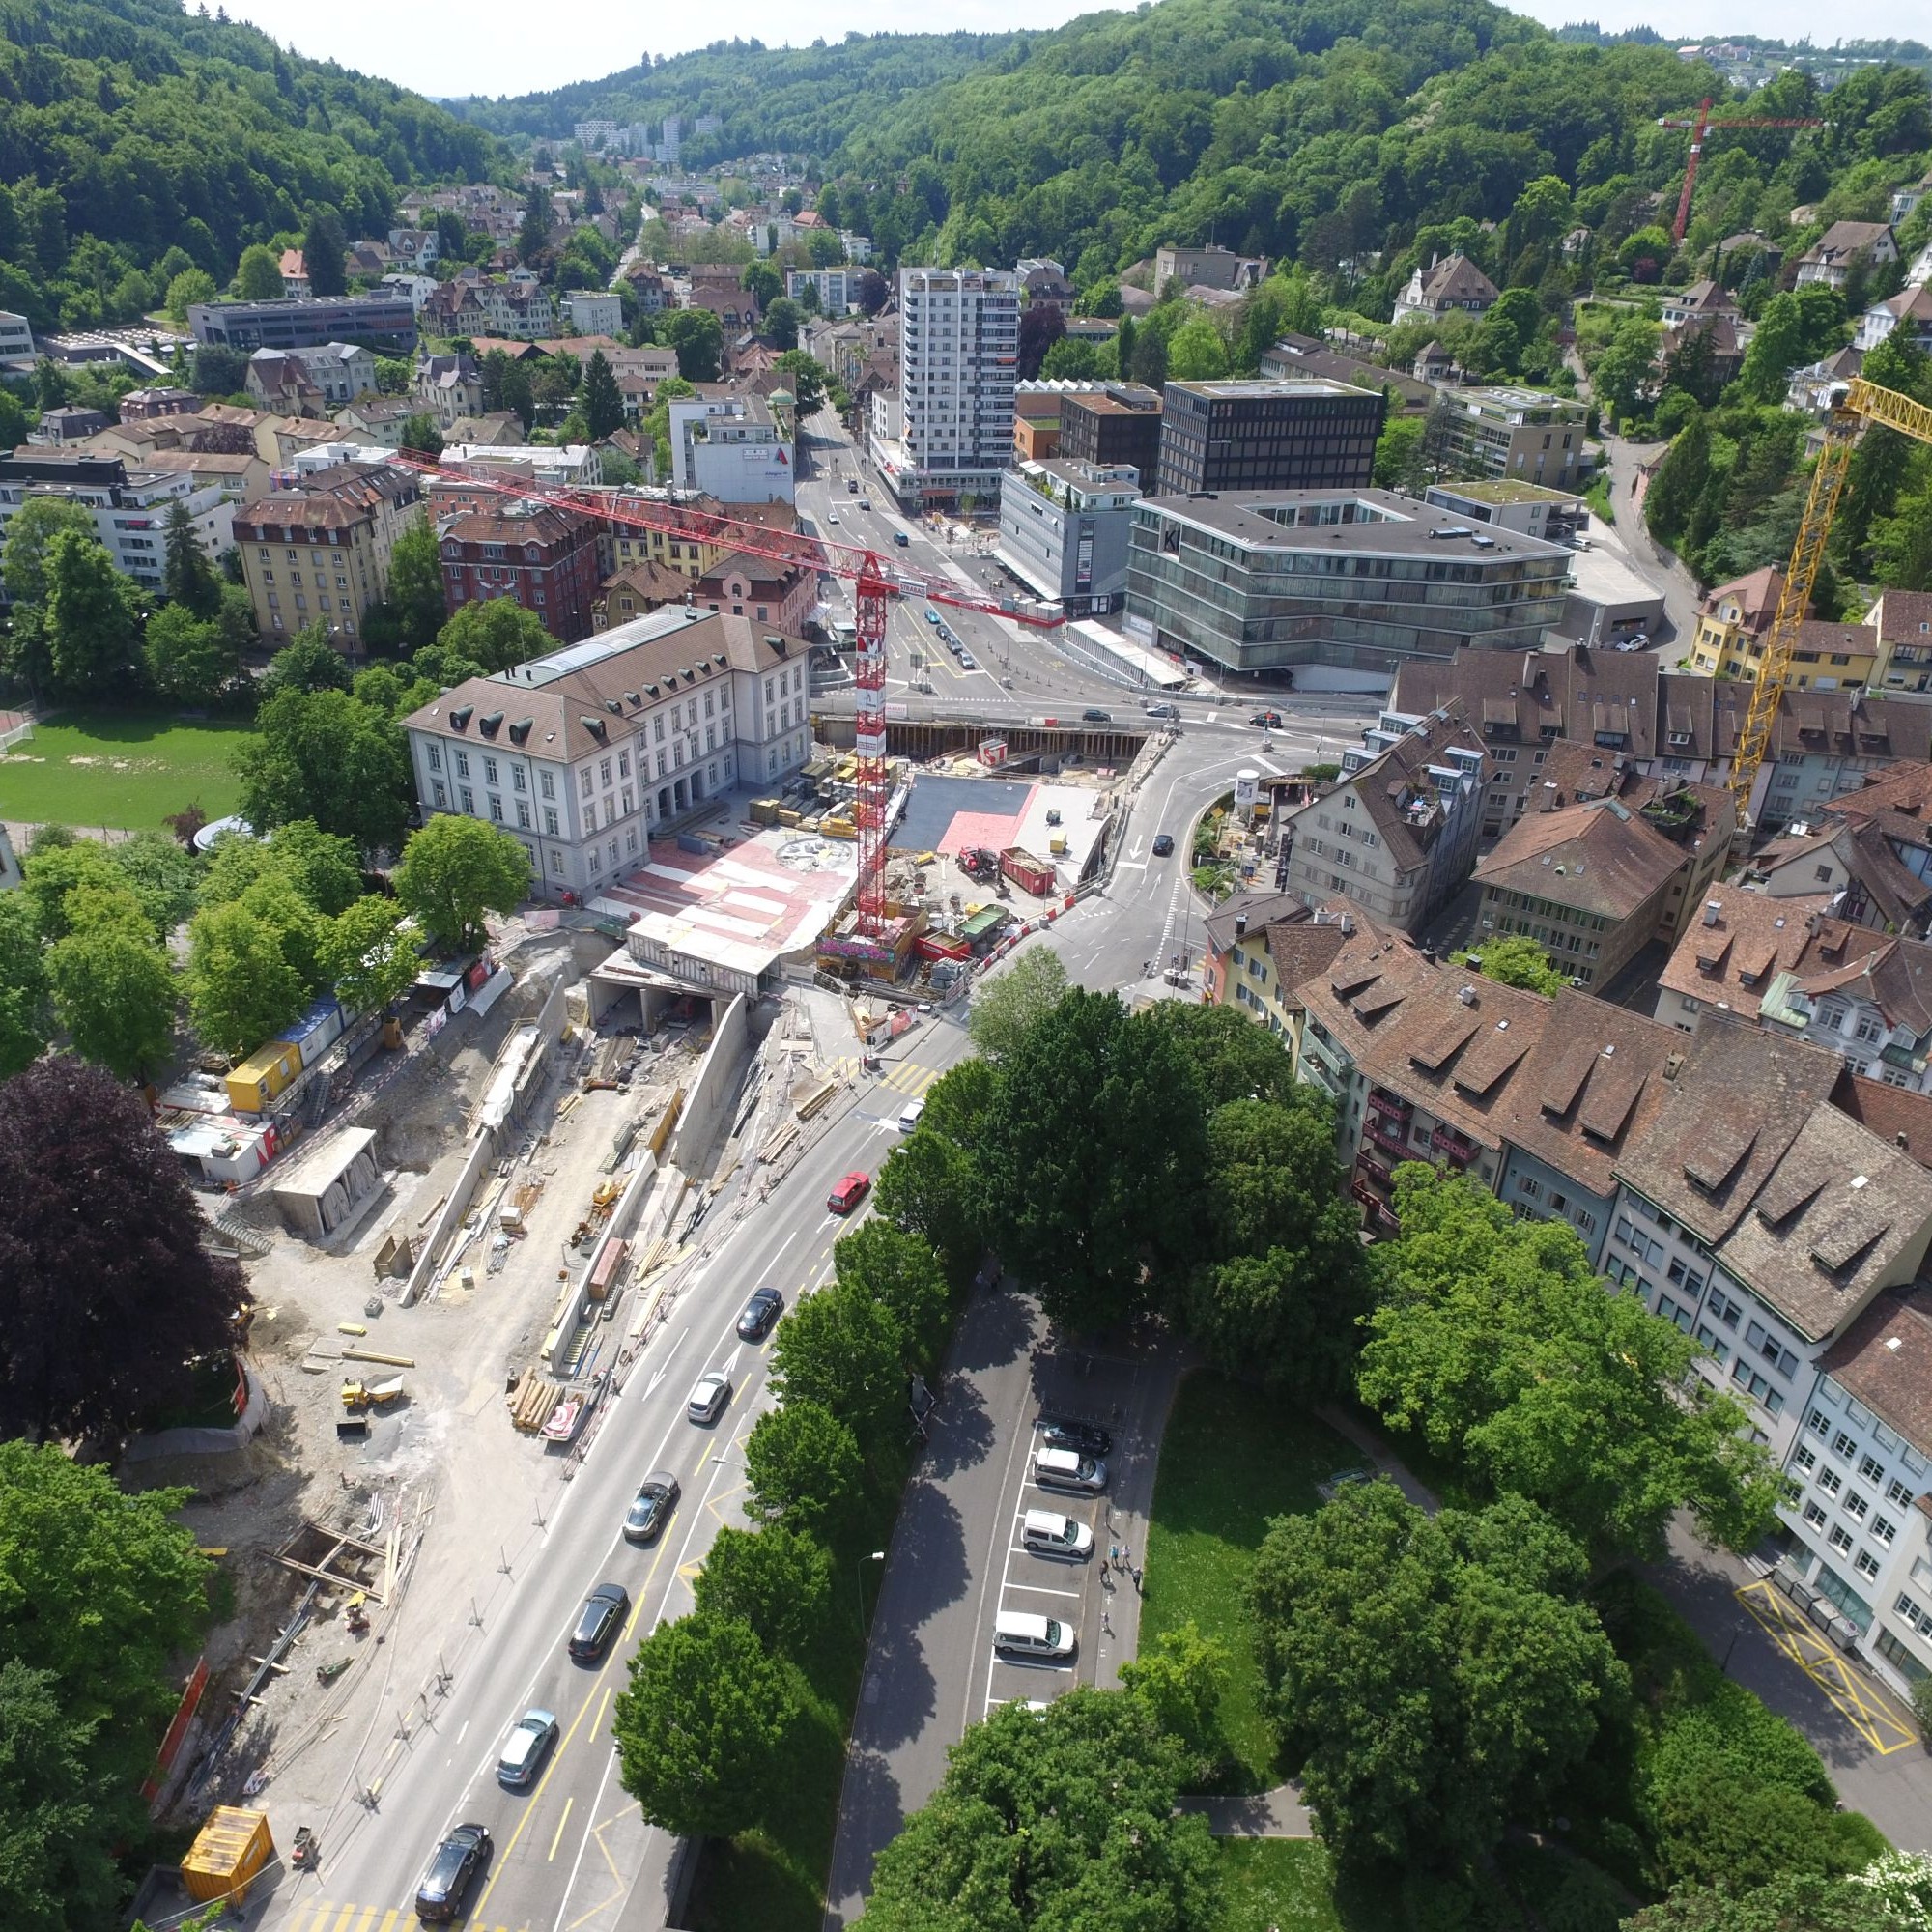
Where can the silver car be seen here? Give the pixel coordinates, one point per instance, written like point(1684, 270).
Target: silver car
point(710, 1399)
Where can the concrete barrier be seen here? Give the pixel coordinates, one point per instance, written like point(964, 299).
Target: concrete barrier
point(715, 1087)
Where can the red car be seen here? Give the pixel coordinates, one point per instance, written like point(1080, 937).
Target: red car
point(849, 1192)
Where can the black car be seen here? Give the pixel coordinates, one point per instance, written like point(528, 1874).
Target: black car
point(1268, 721)
point(651, 1508)
point(603, 1611)
point(1095, 715)
point(762, 1310)
point(458, 1863)
point(1163, 844)
point(1064, 1433)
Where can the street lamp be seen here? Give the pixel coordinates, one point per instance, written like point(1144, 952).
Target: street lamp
point(859, 1571)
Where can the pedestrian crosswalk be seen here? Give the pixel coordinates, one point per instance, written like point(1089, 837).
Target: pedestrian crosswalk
point(326, 1915)
point(902, 1076)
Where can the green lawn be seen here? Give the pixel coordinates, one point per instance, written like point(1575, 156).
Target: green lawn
point(126, 770)
point(1230, 1459)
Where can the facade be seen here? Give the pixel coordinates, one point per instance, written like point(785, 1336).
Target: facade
point(516, 306)
point(377, 420)
point(1830, 258)
point(145, 405)
point(1532, 509)
point(1451, 284)
point(731, 447)
point(1397, 832)
point(1111, 424)
point(1300, 434)
point(594, 311)
point(835, 288)
point(583, 753)
point(17, 341)
point(543, 557)
point(755, 588)
point(341, 370)
point(952, 429)
point(387, 322)
point(129, 505)
point(1310, 356)
point(1362, 581)
point(1902, 622)
point(280, 383)
point(1874, 1011)
point(1733, 622)
point(1064, 528)
point(1742, 943)
point(448, 387)
point(1210, 268)
point(1527, 435)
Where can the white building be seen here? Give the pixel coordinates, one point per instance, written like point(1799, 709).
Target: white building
point(17, 341)
point(833, 286)
point(130, 506)
point(341, 370)
point(594, 311)
point(958, 356)
point(584, 753)
point(731, 447)
point(570, 466)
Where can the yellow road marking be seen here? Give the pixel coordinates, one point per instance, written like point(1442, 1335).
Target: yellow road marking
point(597, 1722)
point(368, 1918)
point(389, 1919)
point(560, 1824)
point(348, 1912)
point(1855, 1697)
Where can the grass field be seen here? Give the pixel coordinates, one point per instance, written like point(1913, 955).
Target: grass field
point(1230, 1459)
point(124, 770)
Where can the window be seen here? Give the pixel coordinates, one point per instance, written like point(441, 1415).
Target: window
point(1840, 1538)
point(517, 777)
point(1814, 1516)
point(604, 774)
point(434, 756)
point(1898, 1494)
point(467, 800)
point(1882, 1529)
point(624, 765)
point(1870, 1468)
point(490, 771)
point(462, 764)
point(1843, 1445)
point(550, 823)
point(585, 780)
point(1856, 1506)
point(1830, 1481)
point(1806, 1459)
point(524, 813)
point(631, 840)
point(1920, 1618)
point(1818, 1422)
point(1865, 1564)
point(441, 796)
point(1528, 1187)
point(547, 784)
point(496, 809)
point(1724, 1308)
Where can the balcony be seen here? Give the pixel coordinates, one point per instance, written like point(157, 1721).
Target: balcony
point(1375, 1212)
point(1457, 1148)
point(1387, 1139)
point(1373, 1170)
point(1391, 1106)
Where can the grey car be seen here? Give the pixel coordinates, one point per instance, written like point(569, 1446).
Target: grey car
point(710, 1399)
point(650, 1510)
point(525, 1749)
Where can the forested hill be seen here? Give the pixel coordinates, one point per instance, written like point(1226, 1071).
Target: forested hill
point(135, 137)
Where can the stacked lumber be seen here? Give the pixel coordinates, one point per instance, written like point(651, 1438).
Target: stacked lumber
point(531, 1398)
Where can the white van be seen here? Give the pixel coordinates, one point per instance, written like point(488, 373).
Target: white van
point(1069, 1469)
point(1021, 1633)
point(1048, 1533)
point(909, 1120)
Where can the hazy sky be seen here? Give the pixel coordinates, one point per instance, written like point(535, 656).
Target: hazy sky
point(493, 46)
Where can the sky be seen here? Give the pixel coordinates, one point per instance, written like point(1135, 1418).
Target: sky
point(496, 49)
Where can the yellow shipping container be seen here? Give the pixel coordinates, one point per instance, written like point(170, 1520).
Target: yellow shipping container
point(227, 1856)
point(262, 1075)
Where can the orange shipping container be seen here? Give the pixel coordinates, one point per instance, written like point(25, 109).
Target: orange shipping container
point(228, 1855)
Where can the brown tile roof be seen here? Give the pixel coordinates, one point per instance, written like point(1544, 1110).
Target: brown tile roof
point(1848, 639)
point(1902, 615)
point(1600, 858)
point(1735, 1106)
point(1250, 912)
point(546, 525)
point(1756, 596)
point(1885, 1359)
point(754, 570)
point(1362, 988)
point(1730, 965)
point(1844, 1212)
point(1894, 1114)
point(1457, 279)
point(301, 509)
point(1396, 789)
point(1896, 976)
point(1301, 950)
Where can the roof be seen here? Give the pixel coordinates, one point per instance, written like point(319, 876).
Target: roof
point(1456, 278)
point(1398, 791)
point(1842, 1210)
point(1847, 238)
point(1894, 1114)
point(1730, 964)
point(1599, 857)
point(1900, 615)
point(754, 570)
point(1735, 1106)
point(542, 525)
point(1384, 525)
point(1300, 948)
point(1364, 985)
point(1250, 912)
point(1756, 597)
point(1884, 1360)
point(301, 509)
point(1826, 639)
point(1895, 976)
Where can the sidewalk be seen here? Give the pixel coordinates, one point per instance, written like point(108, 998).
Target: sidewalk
point(1267, 1814)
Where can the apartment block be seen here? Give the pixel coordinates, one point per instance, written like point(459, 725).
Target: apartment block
point(129, 504)
point(1111, 424)
point(1527, 435)
point(1304, 434)
point(543, 557)
point(1064, 528)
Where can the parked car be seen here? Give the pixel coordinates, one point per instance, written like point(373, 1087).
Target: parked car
point(604, 1609)
point(1069, 1469)
point(1048, 1533)
point(525, 1749)
point(452, 1872)
point(651, 1507)
point(1064, 1433)
point(709, 1398)
point(1022, 1635)
point(1163, 844)
point(763, 1309)
point(849, 1192)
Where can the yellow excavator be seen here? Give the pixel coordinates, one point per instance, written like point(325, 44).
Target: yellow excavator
point(1853, 407)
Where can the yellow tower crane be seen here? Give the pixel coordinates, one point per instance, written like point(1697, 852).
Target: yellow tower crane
point(1852, 407)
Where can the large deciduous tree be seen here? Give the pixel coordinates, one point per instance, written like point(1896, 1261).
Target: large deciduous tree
point(415, 602)
point(89, 617)
point(703, 1730)
point(369, 956)
point(114, 992)
point(1005, 1006)
point(322, 755)
point(25, 1016)
point(847, 1352)
point(454, 870)
point(901, 1272)
point(107, 1294)
point(241, 988)
point(1433, 1677)
point(776, 1579)
point(496, 634)
point(1497, 1343)
point(802, 1464)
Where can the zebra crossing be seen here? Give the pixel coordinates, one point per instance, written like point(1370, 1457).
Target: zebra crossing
point(903, 1077)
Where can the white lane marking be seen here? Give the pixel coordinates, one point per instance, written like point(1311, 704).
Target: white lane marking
point(1042, 1590)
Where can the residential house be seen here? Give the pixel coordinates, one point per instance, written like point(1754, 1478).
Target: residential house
point(1733, 622)
point(542, 556)
point(295, 274)
point(1450, 283)
point(1397, 832)
point(499, 429)
point(1909, 311)
point(341, 370)
point(1700, 299)
point(1902, 620)
point(376, 419)
point(66, 425)
point(282, 384)
point(636, 590)
point(1830, 258)
point(1905, 199)
point(448, 387)
point(1043, 283)
point(1434, 366)
point(736, 309)
point(755, 588)
point(129, 505)
point(1209, 267)
point(1870, 1005)
point(583, 753)
point(240, 476)
point(1740, 943)
point(1814, 389)
point(145, 405)
point(1847, 856)
point(1715, 333)
point(1234, 966)
point(414, 247)
point(595, 311)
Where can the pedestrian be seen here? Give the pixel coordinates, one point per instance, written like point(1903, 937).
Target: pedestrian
point(1114, 1554)
point(1137, 1581)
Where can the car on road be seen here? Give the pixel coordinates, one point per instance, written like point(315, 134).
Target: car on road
point(909, 1116)
point(852, 484)
point(1163, 844)
point(931, 615)
point(651, 1507)
point(604, 1609)
point(865, 502)
point(1641, 641)
point(1020, 1633)
point(710, 1397)
point(755, 1319)
point(1070, 1469)
point(452, 1872)
point(1161, 710)
point(1268, 721)
point(831, 515)
point(525, 1749)
point(900, 538)
point(968, 662)
point(1093, 715)
point(1065, 1432)
point(1048, 1533)
point(849, 1192)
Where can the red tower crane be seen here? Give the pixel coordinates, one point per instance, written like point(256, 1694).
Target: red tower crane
point(1700, 128)
point(875, 583)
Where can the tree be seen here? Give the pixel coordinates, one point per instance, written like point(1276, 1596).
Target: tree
point(420, 437)
point(807, 380)
point(1645, 255)
point(1515, 960)
point(1180, 1681)
point(930, 1183)
point(1776, 348)
point(1435, 1677)
point(1041, 325)
point(1679, 484)
point(1007, 1006)
point(55, 870)
point(1399, 455)
point(1196, 351)
point(1057, 1818)
point(307, 662)
point(189, 660)
point(258, 276)
point(218, 370)
point(1624, 372)
point(324, 253)
point(59, 1866)
point(1071, 359)
point(846, 1352)
point(496, 634)
point(1150, 363)
point(1495, 1341)
point(775, 1580)
point(25, 1016)
point(454, 870)
point(32, 527)
point(190, 287)
point(321, 755)
point(533, 236)
point(704, 1728)
point(241, 988)
point(1506, 331)
point(1232, 1057)
point(415, 595)
point(871, 292)
point(187, 578)
point(603, 401)
point(90, 616)
point(782, 320)
point(97, 1197)
point(1792, 1902)
point(321, 867)
point(698, 338)
point(899, 1271)
point(801, 1465)
point(369, 956)
point(763, 280)
point(161, 876)
point(115, 995)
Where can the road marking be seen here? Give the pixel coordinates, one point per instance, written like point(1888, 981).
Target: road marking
point(1042, 1590)
point(557, 1839)
point(466, 1726)
point(596, 1722)
point(1856, 1698)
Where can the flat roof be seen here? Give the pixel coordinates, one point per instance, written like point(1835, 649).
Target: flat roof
point(1262, 388)
point(1385, 524)
point(1507, 490)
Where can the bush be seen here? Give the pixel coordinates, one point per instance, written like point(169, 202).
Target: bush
point(1921, 1704)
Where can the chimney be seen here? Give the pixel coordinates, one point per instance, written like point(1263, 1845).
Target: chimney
point(1901, 1138)
point(1467, 994)
point(1240, 925)
point(1712, 908)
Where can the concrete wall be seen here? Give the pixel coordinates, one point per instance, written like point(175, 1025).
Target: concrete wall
point(716, 1085)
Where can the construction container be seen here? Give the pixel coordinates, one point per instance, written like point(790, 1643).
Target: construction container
point(609, 1268)
point(316, 1031)
point(1031, 874)
point(264, 1074)
point(227, 1856)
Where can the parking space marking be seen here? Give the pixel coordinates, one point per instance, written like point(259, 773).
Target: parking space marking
point(1855, 1697)
point(1042, 1590)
